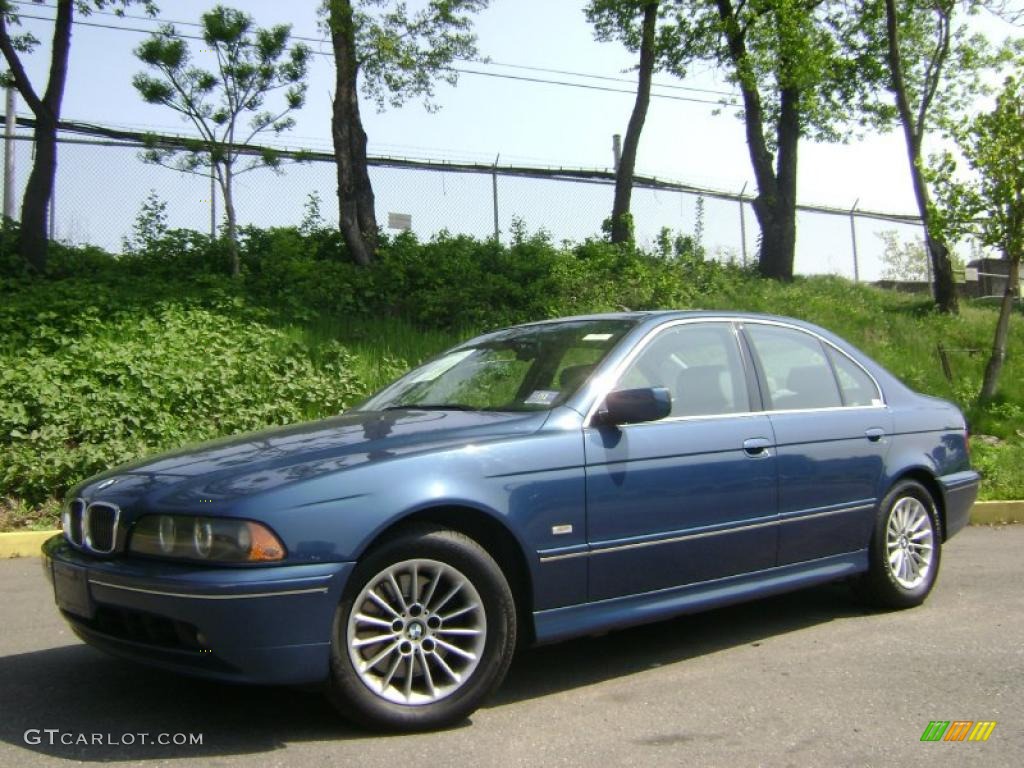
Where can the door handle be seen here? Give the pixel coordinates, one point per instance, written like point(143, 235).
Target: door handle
point(757, 447)
point(874, 434)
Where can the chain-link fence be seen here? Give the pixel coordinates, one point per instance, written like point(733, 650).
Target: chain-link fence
point(102, 183)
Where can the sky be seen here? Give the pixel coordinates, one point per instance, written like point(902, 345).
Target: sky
point(484, 117)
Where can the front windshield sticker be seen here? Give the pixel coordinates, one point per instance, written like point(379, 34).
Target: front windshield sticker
point(597, 337)
point(542, 397)
point(432, 370)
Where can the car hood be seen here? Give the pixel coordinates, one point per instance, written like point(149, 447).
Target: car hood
point(231, 468)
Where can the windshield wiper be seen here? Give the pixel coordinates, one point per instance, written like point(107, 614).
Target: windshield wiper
point(432, 407)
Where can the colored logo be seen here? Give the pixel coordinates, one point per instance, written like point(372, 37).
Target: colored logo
point(958, 730)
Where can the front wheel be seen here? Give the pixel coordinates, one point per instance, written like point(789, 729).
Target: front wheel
point(906, 548)
point(425, 632)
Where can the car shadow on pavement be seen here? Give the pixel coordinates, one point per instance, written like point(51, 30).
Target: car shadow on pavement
point(584, 661)
point(81, 692)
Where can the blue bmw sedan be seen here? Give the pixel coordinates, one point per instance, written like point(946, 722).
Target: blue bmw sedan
point(544, 481)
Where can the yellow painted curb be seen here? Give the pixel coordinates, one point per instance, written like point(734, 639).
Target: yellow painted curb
point(996, 512)
point(23, 543)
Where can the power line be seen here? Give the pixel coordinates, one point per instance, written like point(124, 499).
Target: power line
point(459, 69)
point(322, 40)
point(588, 87)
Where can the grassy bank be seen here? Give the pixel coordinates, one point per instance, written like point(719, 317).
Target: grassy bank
point(111, 361)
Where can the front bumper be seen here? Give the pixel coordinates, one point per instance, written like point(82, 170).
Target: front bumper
point(266, 625)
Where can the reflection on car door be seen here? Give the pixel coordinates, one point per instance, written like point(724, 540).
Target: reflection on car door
point(692, 497)
point(832, 433)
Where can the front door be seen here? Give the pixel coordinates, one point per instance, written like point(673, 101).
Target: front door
point(692, 497)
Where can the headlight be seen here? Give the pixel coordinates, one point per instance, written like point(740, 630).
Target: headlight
point(223, 540)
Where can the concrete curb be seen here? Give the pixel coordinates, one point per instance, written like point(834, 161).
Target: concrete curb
point(997, 512)
point(27, 543)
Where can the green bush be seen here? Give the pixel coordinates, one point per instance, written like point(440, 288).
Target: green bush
point(83, 389)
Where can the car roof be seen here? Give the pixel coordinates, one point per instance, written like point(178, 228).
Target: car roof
point(640, 316)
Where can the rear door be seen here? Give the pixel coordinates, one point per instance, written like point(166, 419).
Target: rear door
point(692, 497)
point(832, 433)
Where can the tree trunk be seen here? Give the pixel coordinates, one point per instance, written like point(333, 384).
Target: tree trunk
point(776, 214)
point(622, 231)
point(775, 204)
point(356, 217)
point(227, 189)
point(366, 214)
point(39, 188)
point(913, 131)
point(998, 356)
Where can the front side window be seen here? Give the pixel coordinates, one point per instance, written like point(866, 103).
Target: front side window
point(699, 364)
point(528, 368)
point(795, 367)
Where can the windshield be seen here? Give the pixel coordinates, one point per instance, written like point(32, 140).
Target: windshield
point(520, 369)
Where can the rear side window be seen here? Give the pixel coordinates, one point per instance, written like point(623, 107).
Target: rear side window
point(856, 386)
point(797, 370)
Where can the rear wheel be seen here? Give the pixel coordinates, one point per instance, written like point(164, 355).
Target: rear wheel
point(425, 632)
point(906, 548)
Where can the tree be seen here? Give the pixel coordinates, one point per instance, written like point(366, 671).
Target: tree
point(909, 260)
point(920, 42)
point(990, 204)
point(251, 64)
point(617, 19)
point(801, 72)
point(399, 55)
point(45, 108)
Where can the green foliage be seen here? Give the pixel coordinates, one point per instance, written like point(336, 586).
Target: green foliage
point(1000, 464)
point(812, 50)
point(989, 203)
point(150, 225)
point(401, 53)
point(908, 260)
point(941, 60)
point(93, 375)
point(251, 64)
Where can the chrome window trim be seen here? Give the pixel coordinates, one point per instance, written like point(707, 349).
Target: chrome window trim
point(616, 374)
point(793, 517)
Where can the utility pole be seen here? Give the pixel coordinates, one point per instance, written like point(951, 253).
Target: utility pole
point(616, 150)
point(9, 154)
point(853, 241)
point(743, 224)
point(494, 191)
point(213, 203)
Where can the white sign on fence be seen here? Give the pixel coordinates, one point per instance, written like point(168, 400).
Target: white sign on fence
point(402, 221)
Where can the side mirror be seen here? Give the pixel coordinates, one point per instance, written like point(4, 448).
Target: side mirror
point(631, 406)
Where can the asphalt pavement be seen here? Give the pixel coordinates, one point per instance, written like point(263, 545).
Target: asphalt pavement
point(805, 679)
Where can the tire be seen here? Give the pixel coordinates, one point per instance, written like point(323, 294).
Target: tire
point(457, 654)
point(905, 550)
